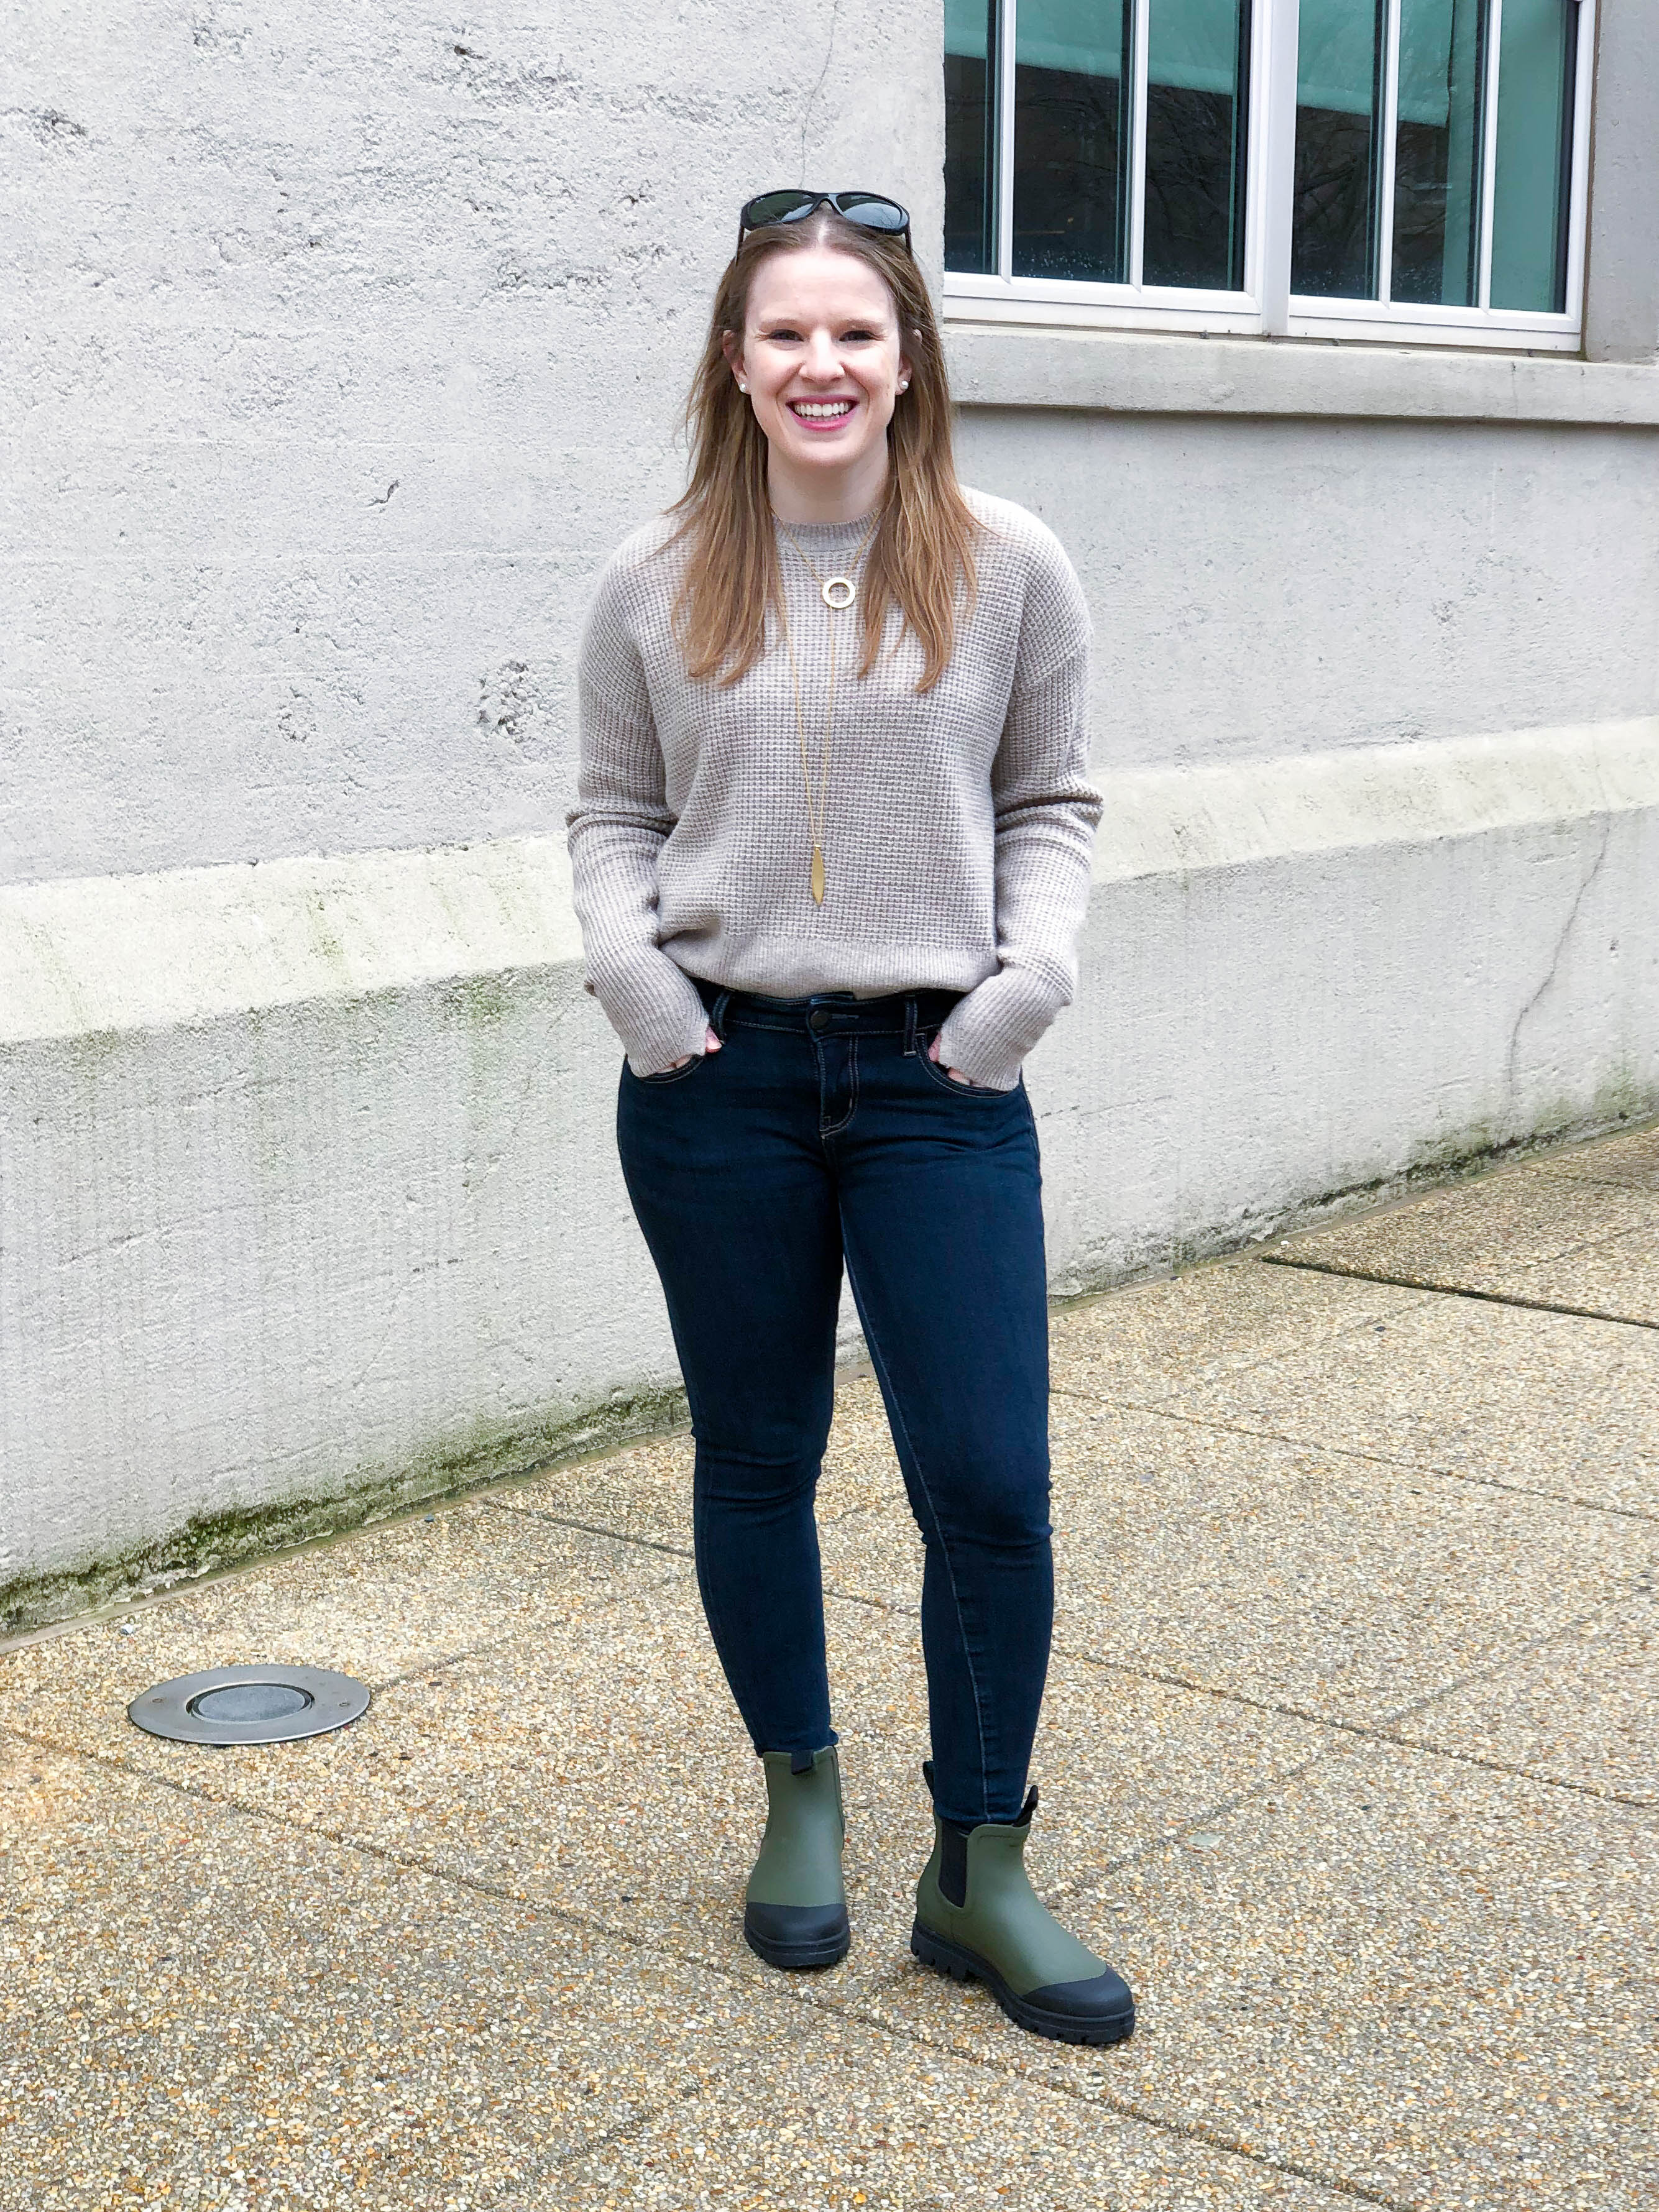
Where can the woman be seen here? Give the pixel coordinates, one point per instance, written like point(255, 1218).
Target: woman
point(831, 856)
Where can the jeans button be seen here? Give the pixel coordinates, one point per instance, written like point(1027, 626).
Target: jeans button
point(819, 1017)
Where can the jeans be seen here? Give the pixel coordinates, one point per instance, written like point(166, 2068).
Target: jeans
point(823, 1135)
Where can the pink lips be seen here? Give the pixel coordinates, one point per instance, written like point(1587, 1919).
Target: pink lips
point(822, 422)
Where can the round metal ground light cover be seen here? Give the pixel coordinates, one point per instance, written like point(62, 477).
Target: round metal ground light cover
point(250, 1704)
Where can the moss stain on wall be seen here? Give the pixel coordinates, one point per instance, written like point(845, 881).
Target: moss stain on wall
point(210, 1543)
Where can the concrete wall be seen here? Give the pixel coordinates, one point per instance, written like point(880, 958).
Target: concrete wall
point(1621, 301)
point(1267, 587)
point(264, 263)
point(339, 348)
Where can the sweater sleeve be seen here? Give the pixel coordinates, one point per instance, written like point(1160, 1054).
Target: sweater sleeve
point(616, 830)
point(1046, 814)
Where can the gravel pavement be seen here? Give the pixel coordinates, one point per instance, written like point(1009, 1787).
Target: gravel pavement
point(1350, 1761)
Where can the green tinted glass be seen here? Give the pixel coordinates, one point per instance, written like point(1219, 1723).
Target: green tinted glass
point(1437, 151)
point(1197, 71)
point(1072, 139)
point(971, 136)
point(1537, 53)
point(1338, 91)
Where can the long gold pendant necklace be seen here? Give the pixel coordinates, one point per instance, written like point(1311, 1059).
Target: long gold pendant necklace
point(838, 593)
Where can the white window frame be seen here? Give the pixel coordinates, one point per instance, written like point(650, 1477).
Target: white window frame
point(1267, 305)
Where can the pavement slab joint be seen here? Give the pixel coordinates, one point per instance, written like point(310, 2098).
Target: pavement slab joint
point(1461, 1291)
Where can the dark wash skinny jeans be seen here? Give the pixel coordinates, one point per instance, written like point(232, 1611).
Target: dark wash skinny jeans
point(821, 1134)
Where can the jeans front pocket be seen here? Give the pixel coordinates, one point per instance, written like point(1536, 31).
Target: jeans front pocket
point(945, 1081)
point(669, 1074)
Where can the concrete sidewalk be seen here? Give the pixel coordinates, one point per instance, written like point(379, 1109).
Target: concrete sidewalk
point(1349, 1763)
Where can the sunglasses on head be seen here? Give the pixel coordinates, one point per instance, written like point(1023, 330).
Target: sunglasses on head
point(870, 210)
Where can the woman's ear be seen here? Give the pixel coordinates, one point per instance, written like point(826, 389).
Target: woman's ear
point(731, 347)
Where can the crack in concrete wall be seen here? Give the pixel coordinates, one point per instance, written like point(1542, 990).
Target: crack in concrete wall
point(1558, 953)
point(812, 96)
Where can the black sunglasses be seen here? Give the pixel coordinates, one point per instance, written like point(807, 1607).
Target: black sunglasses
point(870, 210)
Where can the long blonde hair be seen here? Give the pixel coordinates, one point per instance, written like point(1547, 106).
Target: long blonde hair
point(922, 558)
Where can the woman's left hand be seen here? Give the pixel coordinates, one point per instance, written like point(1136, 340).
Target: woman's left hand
point(955, 1073)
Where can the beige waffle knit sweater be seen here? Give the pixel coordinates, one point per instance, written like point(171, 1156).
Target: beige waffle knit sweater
point(959, 822)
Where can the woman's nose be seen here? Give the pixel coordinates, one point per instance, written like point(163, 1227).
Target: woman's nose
point(822, 358)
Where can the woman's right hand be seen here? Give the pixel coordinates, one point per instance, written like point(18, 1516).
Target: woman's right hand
point(710, 1043)
point(955, 1073)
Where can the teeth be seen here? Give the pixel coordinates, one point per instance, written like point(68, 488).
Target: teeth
point(819, 410)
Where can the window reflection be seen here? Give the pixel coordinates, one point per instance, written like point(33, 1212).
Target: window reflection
point(969, 136)
point(1459, 189)
point(1071, 158)
point(1438, 148)
point(1537, 57)
point(1338, 103)
point(1197, 68)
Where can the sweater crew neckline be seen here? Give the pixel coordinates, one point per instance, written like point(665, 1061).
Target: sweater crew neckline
point(827, 529)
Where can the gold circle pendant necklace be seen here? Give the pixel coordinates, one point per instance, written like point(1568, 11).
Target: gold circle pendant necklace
point(838, 593)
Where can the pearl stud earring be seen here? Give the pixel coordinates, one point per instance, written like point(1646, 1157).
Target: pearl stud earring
point(742, 387)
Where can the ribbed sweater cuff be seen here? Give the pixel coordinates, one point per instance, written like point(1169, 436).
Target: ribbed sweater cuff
point(989, 1033)
point(653, 1006)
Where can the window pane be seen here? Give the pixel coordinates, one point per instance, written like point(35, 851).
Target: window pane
point(1197, 66)
point(1537, 50)
point(1437, 140)
point(1338, 102)
point(969, 165)
point(1070, 190)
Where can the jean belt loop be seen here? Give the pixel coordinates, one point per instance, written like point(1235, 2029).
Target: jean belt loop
point(717, 1015)
point(910, 1029)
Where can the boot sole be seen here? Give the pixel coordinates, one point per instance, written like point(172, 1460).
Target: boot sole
point(964, 1966)
point(794, 1958)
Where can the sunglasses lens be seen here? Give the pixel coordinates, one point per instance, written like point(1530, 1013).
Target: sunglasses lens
point(872, 211)
point(868, 209)
point(775, 207)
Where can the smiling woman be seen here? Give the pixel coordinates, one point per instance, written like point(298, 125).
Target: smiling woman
point(825, 364)
point(831, 855)
point(822, 345)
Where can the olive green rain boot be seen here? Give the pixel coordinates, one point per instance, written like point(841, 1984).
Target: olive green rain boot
point(978, 1918)
point(795, 1910)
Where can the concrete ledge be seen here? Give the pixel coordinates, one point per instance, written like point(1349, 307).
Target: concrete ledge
point(1165, 820)
point(191, 944)
point(84, 956)
point(308, 1196)
point(996, 365)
